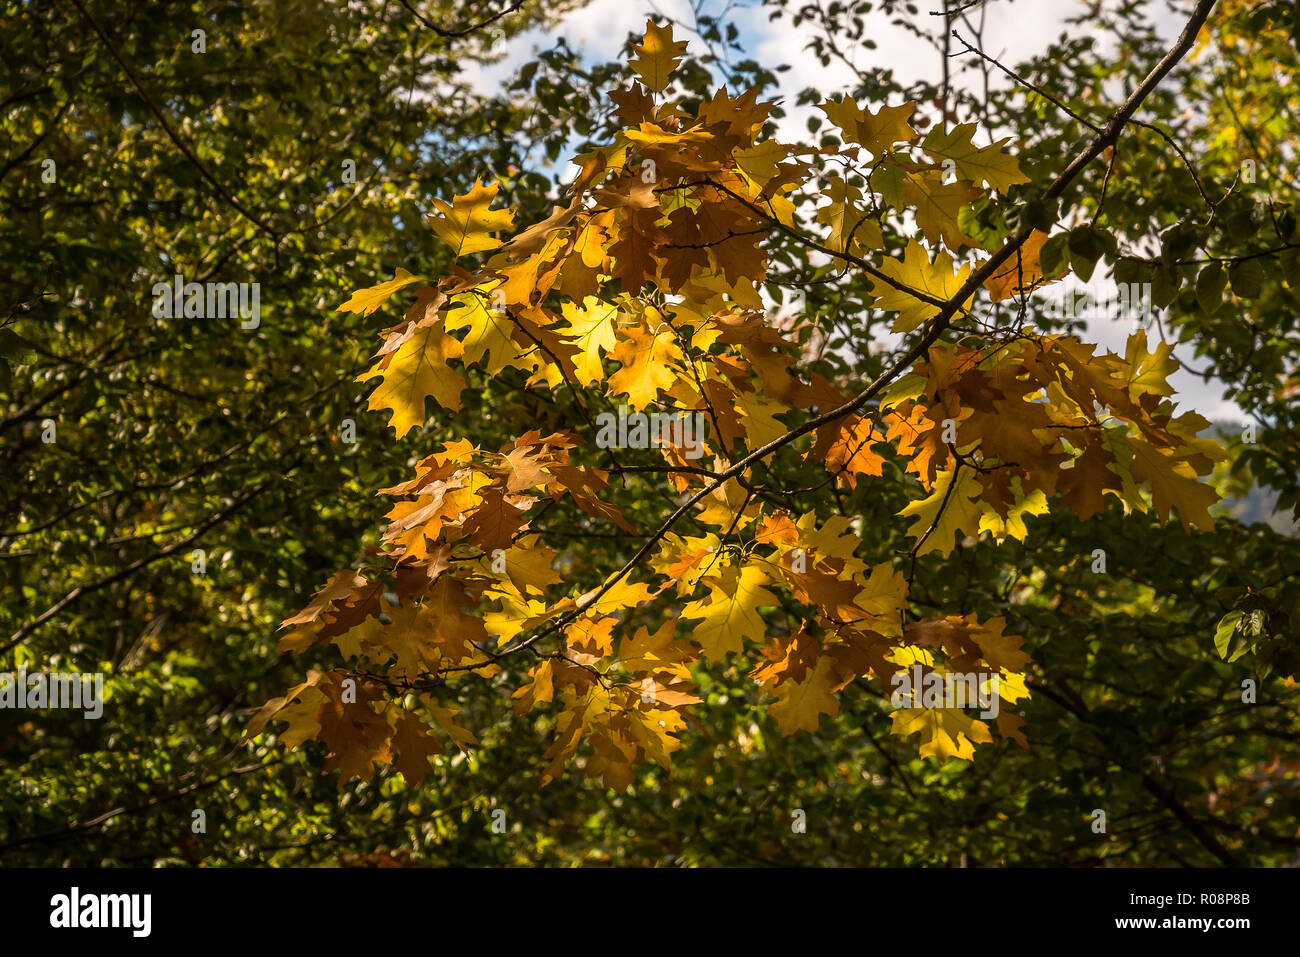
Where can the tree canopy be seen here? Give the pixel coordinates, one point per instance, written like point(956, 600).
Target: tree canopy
point(609, 475)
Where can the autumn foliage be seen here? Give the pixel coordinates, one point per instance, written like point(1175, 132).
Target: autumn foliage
point(646, 289)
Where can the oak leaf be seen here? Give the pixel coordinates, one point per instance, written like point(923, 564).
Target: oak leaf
point(945, 732)
point(951, 509)
point(986, 164)
point(729, 613)
point(936, 279)
point(658, 55)
point(467, 221)
point(876, 131)
point(416, 371)
point(366, 301)
point(802, 703)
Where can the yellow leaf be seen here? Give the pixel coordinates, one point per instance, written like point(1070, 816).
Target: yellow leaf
point(658, 55)
point(623, 594)
point(945, 732)
point(1035, 503)
point(366, 301)
point(645, 358)
point(834, 538)
point(418, 369)
point(679, 556)
point(915, 271)
point(759, 162)
point(1001, 651)
point(540, 689)
point(758, 418)
point(517, 613)
point(724, 504)
point(591, 328)
point(487, 334)
point(446, 718)
point(528, 563)
point(1116, 443)
point(906, 388)
point(1022, 272)
point(653, 731)
point(884, 597)
point(1011, 687)
point(937, 206)
point(876, 131)
point(941, 516)
point(277, 709)
point(730, 611)
point(851, 230)
point(467, 220)
point(980, 164)
point(303, 723)
point(802, 703)
point(1173, 483)
point(1149, 372)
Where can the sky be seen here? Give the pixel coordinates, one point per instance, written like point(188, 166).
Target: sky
point(1014, 31)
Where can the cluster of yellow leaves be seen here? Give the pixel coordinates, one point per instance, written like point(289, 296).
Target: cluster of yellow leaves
point(643, 290)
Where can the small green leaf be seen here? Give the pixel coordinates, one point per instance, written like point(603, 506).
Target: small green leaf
point(1209, 288)
point(1165, 283)
point(1223, 633)
point(1247, 278)
point(1052, 257)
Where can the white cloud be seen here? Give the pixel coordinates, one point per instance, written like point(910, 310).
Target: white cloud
point(596, 31)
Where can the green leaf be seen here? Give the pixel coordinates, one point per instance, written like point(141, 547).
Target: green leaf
point(1128, 270)
point(1165, 283)
point(1209, 288)
point(1223, 633)
point(1052, 257)
point(1247, 278)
